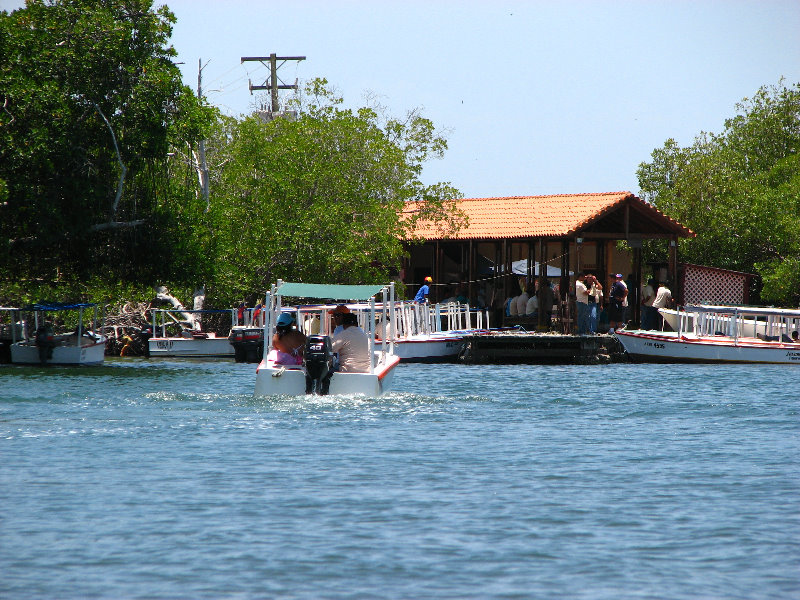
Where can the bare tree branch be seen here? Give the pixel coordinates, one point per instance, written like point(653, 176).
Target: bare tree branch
point(121, 164)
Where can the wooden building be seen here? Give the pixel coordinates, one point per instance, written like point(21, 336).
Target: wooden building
point(520, 238)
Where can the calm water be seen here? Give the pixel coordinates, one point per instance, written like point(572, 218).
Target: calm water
point(167, 479)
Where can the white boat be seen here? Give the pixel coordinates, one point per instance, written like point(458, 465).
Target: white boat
point(81, 346)
point(179, 333)
point(747, 327)
point(720, 334)
point(276, 379)
point(435, 333)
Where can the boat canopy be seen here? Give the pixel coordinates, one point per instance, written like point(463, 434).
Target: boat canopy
point(328, 291)
point(58, 306)
point(211, 311)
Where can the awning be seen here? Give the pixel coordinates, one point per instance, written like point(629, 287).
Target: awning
point(52, 306)
point(520, 267)
point(322, 291)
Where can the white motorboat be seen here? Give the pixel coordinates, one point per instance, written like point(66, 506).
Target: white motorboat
point(435, 333)
point(81, 346)
point(720, 334)
point(317, 374)
point(180, 333)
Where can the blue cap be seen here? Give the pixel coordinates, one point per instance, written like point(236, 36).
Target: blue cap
point(285, 319)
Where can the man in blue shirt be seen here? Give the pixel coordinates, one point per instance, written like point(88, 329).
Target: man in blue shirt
point(424, 290)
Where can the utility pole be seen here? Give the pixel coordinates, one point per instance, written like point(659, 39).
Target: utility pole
point(202, 165)
point(273, 84)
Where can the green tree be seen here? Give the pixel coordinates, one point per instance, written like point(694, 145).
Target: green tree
point(92, 105)
point(319, 198)
point(740, 192)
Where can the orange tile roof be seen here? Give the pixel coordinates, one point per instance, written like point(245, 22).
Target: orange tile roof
point(539, 216)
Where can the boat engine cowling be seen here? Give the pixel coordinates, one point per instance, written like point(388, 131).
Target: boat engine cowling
point(318, 361)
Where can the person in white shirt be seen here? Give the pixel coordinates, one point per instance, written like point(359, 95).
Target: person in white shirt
point(582, 303)
point(649, 314)
point(352, 346)
point(522, 300)
point(663, 300)
point(595, 301)
point(532, 307)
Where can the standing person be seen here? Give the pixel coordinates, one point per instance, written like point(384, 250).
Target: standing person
point(582, 303)
point(663, 300)
point(352, 346)
point(595, 301)
point(616, 309)
point(423, 291)
point(649, 314)
point(547, 298)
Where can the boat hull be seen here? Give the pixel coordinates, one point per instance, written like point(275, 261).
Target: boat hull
point(27, 353)
point(669, 347)
point(272, 380)
point(429, 348)
point(210, 347)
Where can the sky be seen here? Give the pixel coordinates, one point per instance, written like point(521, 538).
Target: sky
point(534, 97)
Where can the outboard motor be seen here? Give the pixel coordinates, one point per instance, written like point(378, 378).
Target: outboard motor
point(318, 361)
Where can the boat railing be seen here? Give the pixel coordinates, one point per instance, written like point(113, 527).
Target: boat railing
point(191, 320)
point(740, 322)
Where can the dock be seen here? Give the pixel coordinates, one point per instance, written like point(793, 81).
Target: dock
point(541, 348)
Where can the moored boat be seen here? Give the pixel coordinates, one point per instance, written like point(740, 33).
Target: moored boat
point(42, 345)
point(180, 333)
point(435, 333)
point(720, 334)
point(316, 373)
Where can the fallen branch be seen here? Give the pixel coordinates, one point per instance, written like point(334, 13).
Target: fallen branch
point(116, 225)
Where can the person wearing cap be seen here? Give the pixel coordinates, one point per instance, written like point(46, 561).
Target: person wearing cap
point(288, 343)
point(352, 346)
point(616, 310)
point(338, 314)
point(423, 291)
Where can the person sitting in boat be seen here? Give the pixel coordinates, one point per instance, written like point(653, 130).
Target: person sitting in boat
point(338, 314)
point(352, 346)
point(287, 343)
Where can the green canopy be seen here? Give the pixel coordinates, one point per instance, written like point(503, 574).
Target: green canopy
point(326, 291)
